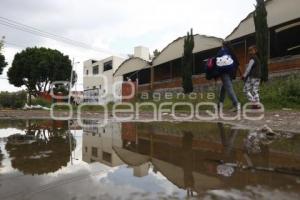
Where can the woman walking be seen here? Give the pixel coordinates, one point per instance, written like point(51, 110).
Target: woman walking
point(228, 65)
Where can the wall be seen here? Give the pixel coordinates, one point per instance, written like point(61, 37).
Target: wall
point(174, 84)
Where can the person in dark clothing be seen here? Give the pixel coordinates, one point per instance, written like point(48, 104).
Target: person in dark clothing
point(227, 77)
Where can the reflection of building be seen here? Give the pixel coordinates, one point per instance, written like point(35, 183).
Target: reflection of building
point(97, 144)
point(190, 159)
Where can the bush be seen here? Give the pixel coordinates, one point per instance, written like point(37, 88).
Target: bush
point(41, 102)
point(12, 100)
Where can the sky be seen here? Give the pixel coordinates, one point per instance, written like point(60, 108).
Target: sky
point(113, 26)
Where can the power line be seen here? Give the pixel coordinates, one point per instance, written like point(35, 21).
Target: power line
point(29, 29)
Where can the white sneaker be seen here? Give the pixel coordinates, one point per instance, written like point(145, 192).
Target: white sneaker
point(236, 108)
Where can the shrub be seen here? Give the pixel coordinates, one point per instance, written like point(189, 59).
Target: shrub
point(41, 102)
point(12, 100)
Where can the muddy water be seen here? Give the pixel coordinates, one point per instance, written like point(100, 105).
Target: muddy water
point(51, 160)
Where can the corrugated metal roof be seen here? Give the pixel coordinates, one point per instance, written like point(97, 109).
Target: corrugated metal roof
point(175, 49)
point(131, 65)
point(279, 12)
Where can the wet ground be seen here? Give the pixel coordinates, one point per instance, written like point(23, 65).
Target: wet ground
point(43, 159)
point(285, 119)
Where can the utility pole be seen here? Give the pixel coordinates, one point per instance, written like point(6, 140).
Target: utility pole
point(70, 84)
point(69, 101)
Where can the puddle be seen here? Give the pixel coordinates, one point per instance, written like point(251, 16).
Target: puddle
point(44, 160)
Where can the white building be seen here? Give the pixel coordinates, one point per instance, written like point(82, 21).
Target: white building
point(96, 87)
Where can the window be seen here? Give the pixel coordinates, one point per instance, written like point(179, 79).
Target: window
point(94, 152)
point(96, 69)
point(285, 41)
point(87, 72)
point(176, 68)
point(162, 72)
point(107, 66)
point(99, 86)
point(144, 76)
point(106, 156)
point(86, 149)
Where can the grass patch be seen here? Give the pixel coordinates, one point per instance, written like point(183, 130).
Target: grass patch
point(277, 93)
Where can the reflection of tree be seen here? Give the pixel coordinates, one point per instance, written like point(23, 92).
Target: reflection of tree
point(43, 149)
point(187, 164)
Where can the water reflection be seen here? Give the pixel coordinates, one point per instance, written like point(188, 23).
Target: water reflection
point(194, 157)
point(98, 142)
point(44, 148)
point(145, 161)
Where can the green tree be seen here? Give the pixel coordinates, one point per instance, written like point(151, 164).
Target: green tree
point(2, 58)
point(187, 63)
point(37, 68)
point(155, 53)
point(262, 37)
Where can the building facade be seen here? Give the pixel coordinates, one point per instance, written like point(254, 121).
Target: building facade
point(284, 29)
point(163, 73)
point(98, 79)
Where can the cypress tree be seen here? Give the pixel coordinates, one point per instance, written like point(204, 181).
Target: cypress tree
point(187, 63)
point(262, 37)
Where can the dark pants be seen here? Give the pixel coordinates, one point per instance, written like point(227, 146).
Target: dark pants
point(227, 87)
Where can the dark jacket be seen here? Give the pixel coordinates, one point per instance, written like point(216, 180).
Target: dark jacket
point(255, 71)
